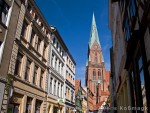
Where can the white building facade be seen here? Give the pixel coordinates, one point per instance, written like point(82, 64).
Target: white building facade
point(56, 74)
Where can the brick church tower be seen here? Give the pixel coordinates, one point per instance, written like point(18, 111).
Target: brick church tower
point(97, 78)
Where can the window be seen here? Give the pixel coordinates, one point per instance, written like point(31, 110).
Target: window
point(38, 45)
point(54, 93)
point(35, 75)
point(50, 89)
point(68, 93)
point(18, 64)
point(35, 17)
point(142, 80)
point(56, 64)
point(61, 91)
point(52, 61)
point(4, 8)
point(133, 88)
point(54, 40)
point(29, 7)
point(37, 106)
point(32, 38)
point(72, 96)
point(94, 75)
point(58, 89)
point(27, 72)
point(60, 49)
point(128, 29)
point(44, 51)
point(59, 67)
point(28, 105)
point(24, 29)
point(62, 69)
point(41, 79)
point(132, 8)
point(99, 75)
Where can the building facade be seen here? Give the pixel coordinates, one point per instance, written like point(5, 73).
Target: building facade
point(61, 81)
point(97, 78)
point(56, 74)
point(129, 24)
point(28, 64)
point(69, 83)
point(84, 100)
point(78, 95)
point(6, 8)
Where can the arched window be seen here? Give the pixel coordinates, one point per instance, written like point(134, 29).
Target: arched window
point(99, 74)
point(94, 74)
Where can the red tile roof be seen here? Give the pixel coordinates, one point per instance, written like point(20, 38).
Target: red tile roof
point(77, 83)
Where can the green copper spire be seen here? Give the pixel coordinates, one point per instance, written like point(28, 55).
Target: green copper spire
point(94, 34)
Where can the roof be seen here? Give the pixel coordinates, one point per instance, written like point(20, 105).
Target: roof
point(94, 34)
point(77, 84)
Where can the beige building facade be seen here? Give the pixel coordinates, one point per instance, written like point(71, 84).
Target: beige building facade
point(28, 67)
point(5, 25)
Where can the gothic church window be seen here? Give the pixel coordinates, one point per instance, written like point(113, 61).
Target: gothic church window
point(94, 74)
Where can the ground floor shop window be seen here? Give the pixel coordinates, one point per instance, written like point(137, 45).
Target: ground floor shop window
point(55, 110)
point(28, 105)
point(37, 106)
point(13, 108)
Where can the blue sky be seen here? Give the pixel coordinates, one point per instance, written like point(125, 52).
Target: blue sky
point(73, 20)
